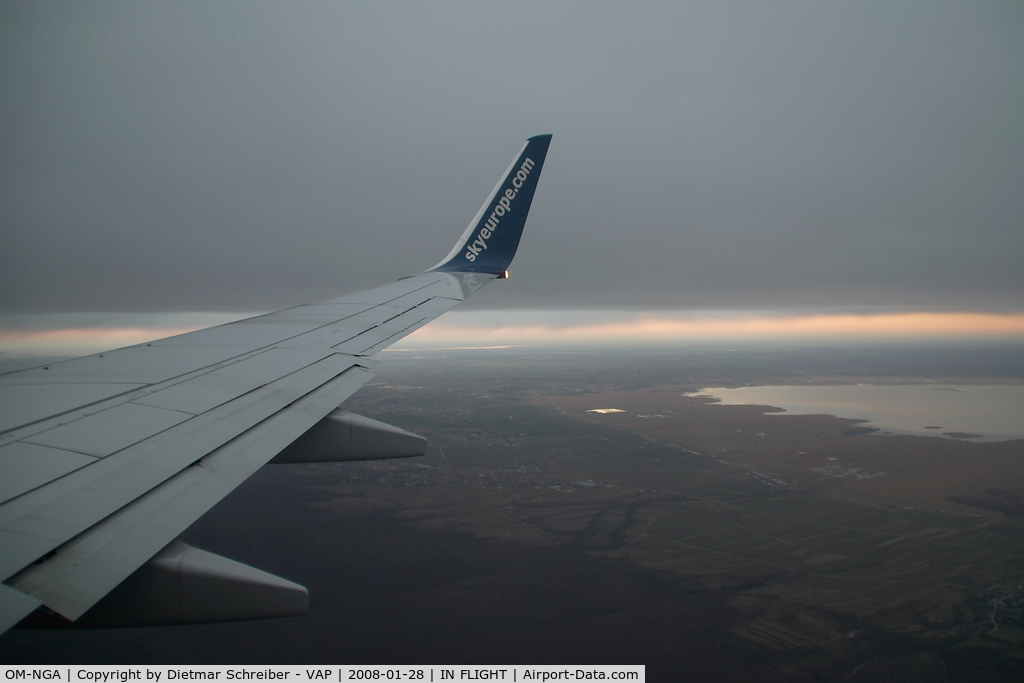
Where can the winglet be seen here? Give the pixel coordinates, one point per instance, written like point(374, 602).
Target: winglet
point(492, 237)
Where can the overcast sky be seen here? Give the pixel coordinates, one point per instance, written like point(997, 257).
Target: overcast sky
point(160, 157)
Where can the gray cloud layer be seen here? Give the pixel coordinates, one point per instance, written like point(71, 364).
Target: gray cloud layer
point(189, 156)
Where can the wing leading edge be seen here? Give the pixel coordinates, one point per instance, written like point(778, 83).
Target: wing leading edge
point(106, 459)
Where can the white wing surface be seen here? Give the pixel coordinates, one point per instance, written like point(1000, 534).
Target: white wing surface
point(106, 459)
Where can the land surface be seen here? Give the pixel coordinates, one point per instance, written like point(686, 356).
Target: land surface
point(709, 542)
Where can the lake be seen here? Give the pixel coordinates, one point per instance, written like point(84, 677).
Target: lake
point(989, 412)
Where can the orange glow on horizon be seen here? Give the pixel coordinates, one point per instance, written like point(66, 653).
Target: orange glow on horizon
point(479, 329)
point(652, 327)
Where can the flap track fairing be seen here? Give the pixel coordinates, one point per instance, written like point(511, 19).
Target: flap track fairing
point(344, 436)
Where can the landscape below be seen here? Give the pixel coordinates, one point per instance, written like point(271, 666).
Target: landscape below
point(712, 541)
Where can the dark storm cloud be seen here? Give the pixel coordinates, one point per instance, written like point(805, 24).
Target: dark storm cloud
point(244, 156)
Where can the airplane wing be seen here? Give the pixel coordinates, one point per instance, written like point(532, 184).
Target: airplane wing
point(106, 459)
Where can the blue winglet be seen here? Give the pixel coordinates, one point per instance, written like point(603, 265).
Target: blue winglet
point(492, 238)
